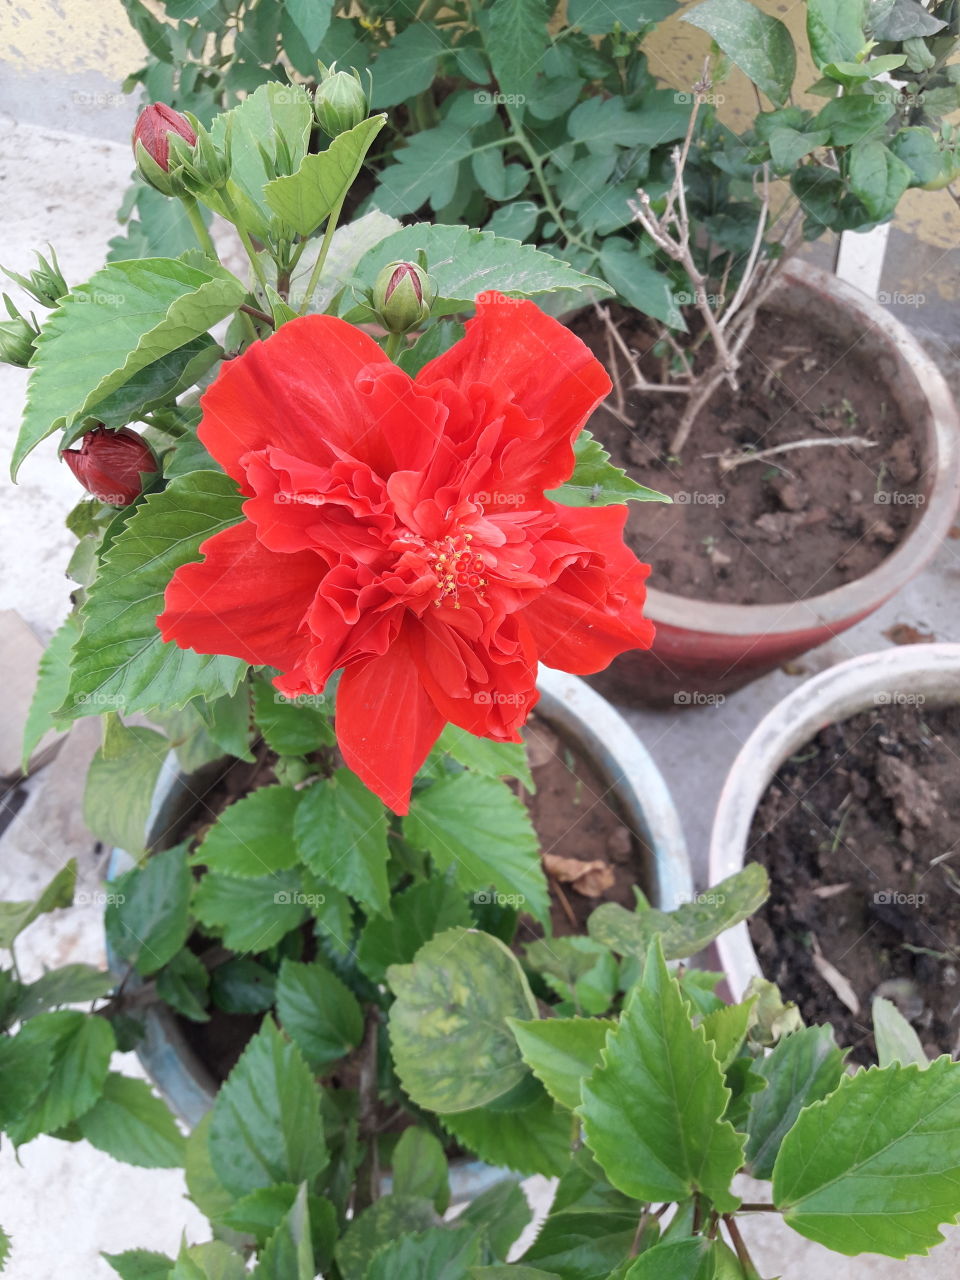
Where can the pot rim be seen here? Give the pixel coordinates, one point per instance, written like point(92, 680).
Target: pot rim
point(863, 594)
point(575, 710)
point(858, 684)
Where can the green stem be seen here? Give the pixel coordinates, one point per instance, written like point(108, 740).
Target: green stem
point(245, 240)
point(393, 345)
point(521, 139)
point(199, 227)
point(322, 255)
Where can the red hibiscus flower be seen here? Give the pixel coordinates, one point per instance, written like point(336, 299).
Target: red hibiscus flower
point(398, 528)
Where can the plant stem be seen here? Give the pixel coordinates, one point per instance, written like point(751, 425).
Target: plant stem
point(737, 1241)
point(245, 240)
point(536, 164)
point(199, 227)
point(393, 345)
point(368, 1177)
point(322, 255)
point(257, 314)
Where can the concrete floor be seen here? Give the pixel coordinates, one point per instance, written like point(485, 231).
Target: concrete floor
point(62, 188)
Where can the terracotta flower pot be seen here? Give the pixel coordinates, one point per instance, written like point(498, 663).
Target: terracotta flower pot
point(704, 648)
point(860, 684)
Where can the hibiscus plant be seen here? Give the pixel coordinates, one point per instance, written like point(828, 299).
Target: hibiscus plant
point(331, 534)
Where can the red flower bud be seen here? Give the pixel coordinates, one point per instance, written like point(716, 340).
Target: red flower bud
point(153, 125)
point(110, 464)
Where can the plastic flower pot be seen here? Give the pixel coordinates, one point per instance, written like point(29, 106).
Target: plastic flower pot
point(577, 714)
point(932, 670)
point(702, 647)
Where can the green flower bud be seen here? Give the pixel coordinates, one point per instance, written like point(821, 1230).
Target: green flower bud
point(340, 102)
point(402, 296)
point(16, 337)
point(45, 283)
point(203, 165)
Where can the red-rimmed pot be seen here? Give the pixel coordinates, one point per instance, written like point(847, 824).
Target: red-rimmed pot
point(706, 648)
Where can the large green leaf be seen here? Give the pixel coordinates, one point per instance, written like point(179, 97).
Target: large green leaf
point(759, 44)
point(120, 661)
point(140, 1264)
point(250, 913)
point(130, 1123)
point(652, 1111)
point(311, 18)
point(341, 834)
point(561, 1052)
point(419, 1167)
point(516, 37)
point(482, 830)
point(875, 1167)
point(596, 482)
point(452, 1048)
point(319, 1012)
point(533, 1139)
point(604, 124)
point(290, 726)
point(407, 66)
point(272, 112)
point(253, 836)
point(103, 333)
point(25, 1066)
point(640, 283)
point(148, 915)
point(499, 1215)
point(305, 199)
point(120, 783)
point(835, 30)
point(803, 1068)
point(266, 1123)
point(80, 1046)
point(584, 1244)
point(463, 263)
point(688, 929)
point(484, 756)
point(695, 1258)
point(70, 984)
point(427, 907)
point(877, 177)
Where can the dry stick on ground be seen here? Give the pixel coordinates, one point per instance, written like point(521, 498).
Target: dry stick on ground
point(640, 383)
point(727, 462)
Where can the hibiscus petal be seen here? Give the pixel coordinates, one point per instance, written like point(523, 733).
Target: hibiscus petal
point(297, 389)
point(242, 600)
point(386, 723)
point(531, 360)
point(593, 612)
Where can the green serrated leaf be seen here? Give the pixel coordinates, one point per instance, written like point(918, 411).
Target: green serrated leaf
point(319, 1012)
point(877, 178)
point(835, 30)
point(253, 836)
point(80, 1046)
point(103, 333)
point(424, 909)
point(140, 1264)
point(464, 262)
point(120, 660)
point(306, 198)
point(312, 19)
point(291, 726)
point(652, 1111)
point(533, 1139)
point(875, 1167)
point(148, 916)
point(689, 928)
point(70, 984)
point(453, 1050)
point(407, 66)
point(760, 45)
point(500, 1215)
point(266, 1125)
point(727, 1028)
point(486, 757)
point(439, 1253)
point(184, 984)
point(341, 834)
point(289, 1252)
point(596, 482)
point(129, 1122)
point(631, 15)
point(803, 1068)
point(561, 1052)
point(377, 1226)
point(483, 831)
point(250, 913)
point(696, 1258)
point(515, 37)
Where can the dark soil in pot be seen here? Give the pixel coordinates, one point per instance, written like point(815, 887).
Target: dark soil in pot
point(775, 530)
point(575, 814)
point(859, 832)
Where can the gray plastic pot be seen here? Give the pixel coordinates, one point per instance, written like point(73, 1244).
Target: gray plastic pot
point(575, 712)
point(860, 684)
